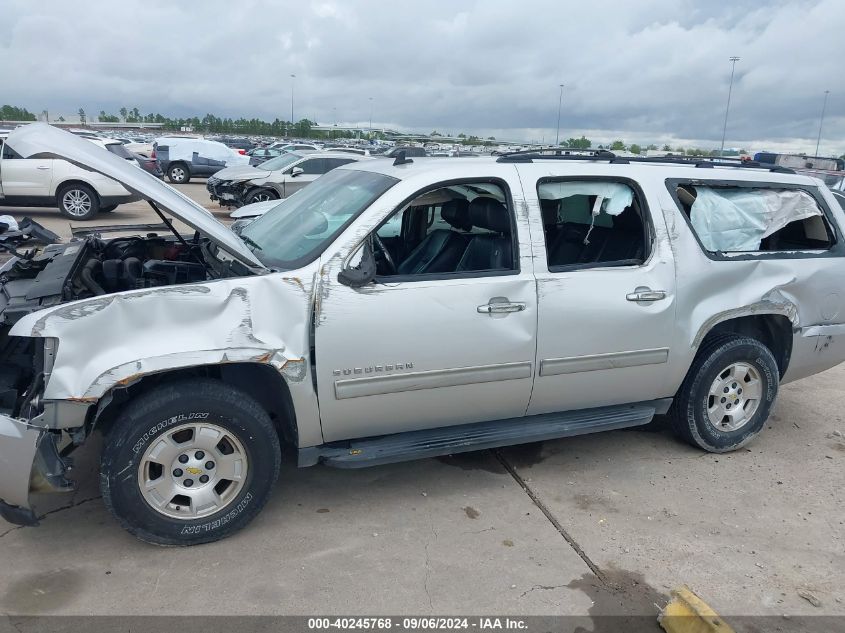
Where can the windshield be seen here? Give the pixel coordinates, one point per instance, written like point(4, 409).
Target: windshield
point(280, 162)
point(298, 229)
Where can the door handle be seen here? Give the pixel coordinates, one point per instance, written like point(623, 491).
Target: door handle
point(645, 294)
point(501, 308)
point(42, 167)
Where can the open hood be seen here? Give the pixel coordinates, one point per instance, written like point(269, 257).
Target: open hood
point(241, 172)
point(40, 140)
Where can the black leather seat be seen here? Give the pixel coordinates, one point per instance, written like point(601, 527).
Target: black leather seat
point(622, 242)
point(441, 250)
point(488, 251)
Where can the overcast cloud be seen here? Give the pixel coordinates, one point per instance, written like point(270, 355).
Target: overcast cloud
point(642, 71)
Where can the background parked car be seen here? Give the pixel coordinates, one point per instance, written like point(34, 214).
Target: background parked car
point(258, 156)
point(410, 151)
point(185, 158)
point(48, 182)
point(276, 178)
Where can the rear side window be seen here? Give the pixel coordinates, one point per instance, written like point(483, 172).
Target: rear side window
point(592, 223)
point(734, 219)
point(314, 166)
point(7, 151)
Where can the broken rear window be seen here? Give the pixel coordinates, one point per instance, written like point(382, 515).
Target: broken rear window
point(750, 219)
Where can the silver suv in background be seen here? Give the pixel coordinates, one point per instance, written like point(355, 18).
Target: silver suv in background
point(79, 194)
point(403, 309)
point(274, 179)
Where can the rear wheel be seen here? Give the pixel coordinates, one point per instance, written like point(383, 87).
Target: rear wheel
point(727, 395)
point(178, 173)
point(78, 202)
point(189, 463)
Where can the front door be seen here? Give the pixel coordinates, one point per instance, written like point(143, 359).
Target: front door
point(446, 333)
point(607, 293)
point(25, 177)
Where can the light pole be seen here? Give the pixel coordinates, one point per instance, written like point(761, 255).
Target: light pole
point(821, 121)
point(733, 61)
point(559, 102)
point(371, 115)
point(292, 78)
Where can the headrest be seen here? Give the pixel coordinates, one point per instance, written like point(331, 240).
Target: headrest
point(456, 213)
point(549, 209)
point(490, 214)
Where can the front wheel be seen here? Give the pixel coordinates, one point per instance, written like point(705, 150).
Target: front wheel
point(727, 395)
point(189, 463)
point(260, 195)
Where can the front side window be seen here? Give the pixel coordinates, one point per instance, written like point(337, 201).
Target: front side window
point(732, 219)
point(297, 230)
point(592, 223)
point(451, 230)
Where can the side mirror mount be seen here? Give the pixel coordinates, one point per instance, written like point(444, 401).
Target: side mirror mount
point(364, 272)
point(296, 171)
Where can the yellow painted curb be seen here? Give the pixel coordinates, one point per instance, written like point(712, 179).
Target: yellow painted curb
point(687, 613)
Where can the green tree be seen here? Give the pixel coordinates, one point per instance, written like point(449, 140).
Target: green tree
point(107, 118)
point(13, 113)
point(618, 146)
point(651, 147)
point(61, 119)
point(81, 114)
point(124, 113)
point(635, 149)
point(666, 148)
point(577, 143)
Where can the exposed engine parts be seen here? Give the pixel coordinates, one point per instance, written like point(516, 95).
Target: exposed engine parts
point(130, 263)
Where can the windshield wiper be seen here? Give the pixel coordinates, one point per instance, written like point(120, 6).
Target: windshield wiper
point(250, 242)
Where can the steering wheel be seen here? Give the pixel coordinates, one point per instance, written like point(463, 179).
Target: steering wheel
point(387, 256)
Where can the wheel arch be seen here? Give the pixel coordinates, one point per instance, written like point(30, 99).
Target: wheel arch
point(75, 181)
point(261, 381)
point(774, 329)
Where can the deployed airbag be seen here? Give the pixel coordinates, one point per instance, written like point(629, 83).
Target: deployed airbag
point(738, 219)
point(617, 196)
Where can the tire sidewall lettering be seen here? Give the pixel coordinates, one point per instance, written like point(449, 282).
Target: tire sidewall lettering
point(154, 430)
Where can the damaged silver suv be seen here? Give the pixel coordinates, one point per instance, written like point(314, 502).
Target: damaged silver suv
point(398, 309)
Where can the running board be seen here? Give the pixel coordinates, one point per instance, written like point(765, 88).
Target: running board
point(400, 447)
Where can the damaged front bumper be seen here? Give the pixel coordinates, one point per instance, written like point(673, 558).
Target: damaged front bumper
point(29, 462)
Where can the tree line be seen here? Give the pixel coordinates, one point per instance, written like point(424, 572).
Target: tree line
point(303, 128)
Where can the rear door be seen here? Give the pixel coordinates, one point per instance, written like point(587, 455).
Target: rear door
point(606, 288)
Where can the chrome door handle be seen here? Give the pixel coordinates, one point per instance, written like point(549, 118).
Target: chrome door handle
point(646, 294)
point(42, 167)
point(501, 308)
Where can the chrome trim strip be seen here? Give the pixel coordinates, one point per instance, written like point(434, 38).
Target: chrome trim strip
point(397, 383)
point(595, 362)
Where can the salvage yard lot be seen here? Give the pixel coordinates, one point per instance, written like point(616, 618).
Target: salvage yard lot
point(637, 512)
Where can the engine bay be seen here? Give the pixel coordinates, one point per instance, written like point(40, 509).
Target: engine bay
point(94, 266)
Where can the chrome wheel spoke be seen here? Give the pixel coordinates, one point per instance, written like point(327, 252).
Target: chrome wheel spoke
point(752, 390)
point(230, 467)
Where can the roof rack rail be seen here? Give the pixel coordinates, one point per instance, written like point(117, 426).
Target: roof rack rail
point(702, 162)
point(526, 155)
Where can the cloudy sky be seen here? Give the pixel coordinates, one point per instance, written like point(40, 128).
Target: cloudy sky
point(640, 70)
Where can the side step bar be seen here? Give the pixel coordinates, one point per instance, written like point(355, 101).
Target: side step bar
point(388, 449)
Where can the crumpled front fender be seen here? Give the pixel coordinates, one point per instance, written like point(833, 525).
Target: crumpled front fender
point(108, 340)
